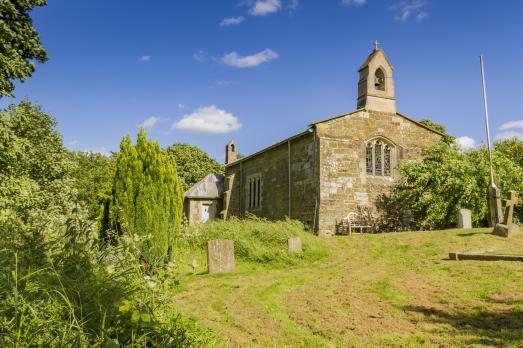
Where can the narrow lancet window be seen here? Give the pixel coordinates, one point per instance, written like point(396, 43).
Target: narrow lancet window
point(377, 159)
point(368, 159)
point(386, 161)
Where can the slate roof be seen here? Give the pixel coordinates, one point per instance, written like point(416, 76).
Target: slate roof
point(210, 187)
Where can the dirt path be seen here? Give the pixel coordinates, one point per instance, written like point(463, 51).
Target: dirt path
point(394, 290)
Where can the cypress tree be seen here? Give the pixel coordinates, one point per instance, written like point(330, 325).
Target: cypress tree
point(146, 197)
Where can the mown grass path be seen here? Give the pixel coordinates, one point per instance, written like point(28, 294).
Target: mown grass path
point(374, 290)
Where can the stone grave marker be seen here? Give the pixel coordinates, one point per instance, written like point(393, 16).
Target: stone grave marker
point(464, 218)
point(220, 256)
point(508, 228)
point(294, 245)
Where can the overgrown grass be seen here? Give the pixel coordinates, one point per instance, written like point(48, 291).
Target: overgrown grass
point(257, 243)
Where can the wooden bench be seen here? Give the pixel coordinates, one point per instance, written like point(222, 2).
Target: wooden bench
point(354, 220)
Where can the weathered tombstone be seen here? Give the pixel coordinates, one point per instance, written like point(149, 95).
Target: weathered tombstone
point(464, 218)
point(508, 228)
point(294, 245)
point(495, 214)
point(220, 256)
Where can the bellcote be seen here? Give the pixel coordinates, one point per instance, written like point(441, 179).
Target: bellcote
point(376, 85)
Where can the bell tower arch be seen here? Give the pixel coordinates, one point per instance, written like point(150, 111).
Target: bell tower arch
point(376, 85)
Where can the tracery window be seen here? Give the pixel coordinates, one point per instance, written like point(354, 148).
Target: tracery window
point(379, 80)
point(378, 158)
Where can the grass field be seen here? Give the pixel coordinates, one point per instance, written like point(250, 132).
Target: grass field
point(393, 290)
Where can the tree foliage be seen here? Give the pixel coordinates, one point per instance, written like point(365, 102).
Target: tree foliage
point(447, 138)
point(19, 43)
point(94, 175)
point(193, 164)
point(146, 196)
point(35, 167)
point(447, 179)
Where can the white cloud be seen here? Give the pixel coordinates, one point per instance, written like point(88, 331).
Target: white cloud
point(237, 61)
point(264, 7)
point(509, 135)
point(232, 21)
point(180, 106)
point(149, 122)
point(410, 8)
point(208, 119)
point(512, 125)
point(200, 56)
point(101, 150)
point(353, 2)
point(145, 58)
point(466, 142)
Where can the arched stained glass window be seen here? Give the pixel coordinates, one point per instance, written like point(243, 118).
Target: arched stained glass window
point(378, 158)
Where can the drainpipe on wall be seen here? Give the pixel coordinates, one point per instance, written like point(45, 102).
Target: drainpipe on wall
point(290, 179)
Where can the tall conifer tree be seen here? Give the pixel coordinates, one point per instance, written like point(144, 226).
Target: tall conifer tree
point(146, 196)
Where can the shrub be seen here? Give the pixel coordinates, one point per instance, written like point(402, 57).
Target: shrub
point(146, 197)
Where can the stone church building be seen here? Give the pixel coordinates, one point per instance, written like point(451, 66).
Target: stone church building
point(335, 166)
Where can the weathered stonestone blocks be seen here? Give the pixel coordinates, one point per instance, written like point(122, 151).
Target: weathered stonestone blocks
point(220, 256)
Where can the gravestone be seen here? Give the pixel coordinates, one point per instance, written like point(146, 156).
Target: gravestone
point(294, 245)
point(508, 228)
point(220, 256)
point(464, 218)
point(495, 214)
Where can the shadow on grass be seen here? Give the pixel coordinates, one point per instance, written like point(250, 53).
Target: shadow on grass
point(499, 328)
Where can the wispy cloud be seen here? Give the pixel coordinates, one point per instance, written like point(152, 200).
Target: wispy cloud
point(149, 122)
point(466, 142)
point(232, 21)
point(200, 56)
point(264, 7)
point(353, 2)
point(294, 4)
point(512, 125)
point(208, 119)
point(180, 105)
point(145, 58)
point(235, 60)
point(512, 129)
point(410, 9)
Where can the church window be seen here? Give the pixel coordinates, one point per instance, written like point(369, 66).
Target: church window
point(254, 192)
point(368, 158)
point(379, 80)
point(378, 158)
point(386, 161)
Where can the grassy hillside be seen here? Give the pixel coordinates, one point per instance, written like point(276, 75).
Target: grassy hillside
point(394, 289)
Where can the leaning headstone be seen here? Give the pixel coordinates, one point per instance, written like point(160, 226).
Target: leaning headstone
point(508, 228)
point(294, 245)
point(220, 256)
point(464, 218)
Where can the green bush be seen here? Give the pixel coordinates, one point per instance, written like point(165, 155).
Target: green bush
point(146, 197)
point(257, 241)
point(432, 190)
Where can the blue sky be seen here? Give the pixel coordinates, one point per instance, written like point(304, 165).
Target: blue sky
point(206, 71)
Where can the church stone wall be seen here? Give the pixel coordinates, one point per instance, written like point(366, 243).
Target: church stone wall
point(272, 165)
point(344, 185)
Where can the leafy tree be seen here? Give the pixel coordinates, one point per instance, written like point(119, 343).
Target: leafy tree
point(193, 164)
point(447, 179)
point(94, 176)
point(449, 139)
point(35, 167)
point(19, 43)
point(146, 197)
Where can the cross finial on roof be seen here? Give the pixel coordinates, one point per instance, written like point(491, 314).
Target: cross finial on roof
point(376, 45)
